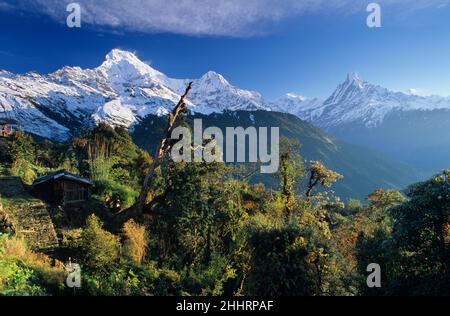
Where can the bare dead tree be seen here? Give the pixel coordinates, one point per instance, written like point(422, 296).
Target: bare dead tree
point(164, 148)
point(165, 145)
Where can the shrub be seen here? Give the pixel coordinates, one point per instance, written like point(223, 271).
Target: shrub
point(167, 282)
point(123, 280)
point(71, 238)
point(100, 248)
point(23, 169)
point(135, 245)
point(116, 196)
point(210, 279)
point(279, 263)
point(17, 280)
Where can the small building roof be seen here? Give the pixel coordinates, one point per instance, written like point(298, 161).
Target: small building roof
point(63, 175)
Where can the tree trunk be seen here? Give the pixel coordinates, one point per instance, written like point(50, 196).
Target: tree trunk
point(164, 147)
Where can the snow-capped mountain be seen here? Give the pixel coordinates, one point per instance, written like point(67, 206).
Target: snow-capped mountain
point(410, 128)
point(213, 93)
point(357, 101)
point(120, 92)
point(305, 108)
point(123, 90)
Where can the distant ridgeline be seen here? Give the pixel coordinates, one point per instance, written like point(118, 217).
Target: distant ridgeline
point(364, 170)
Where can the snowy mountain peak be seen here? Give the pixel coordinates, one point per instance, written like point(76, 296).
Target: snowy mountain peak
point(215, 94)
point(358, 101)
point(354, 81)
point(212, 81)
point(413, 92)
point(294, 96)
point(123, 90)
point(118, 54)
point(214, 78)
point(354, 77)
point(303, 107)
point(120, 65)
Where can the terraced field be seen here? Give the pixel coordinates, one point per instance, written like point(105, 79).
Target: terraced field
point(29, 216)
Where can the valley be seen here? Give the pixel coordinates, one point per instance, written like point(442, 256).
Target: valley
point(364, 170)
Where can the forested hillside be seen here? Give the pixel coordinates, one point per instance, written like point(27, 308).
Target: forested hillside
point(206, 230)
point(364, 169)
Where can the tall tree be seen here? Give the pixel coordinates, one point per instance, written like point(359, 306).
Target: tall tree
point(290, 174)
point(164, 148)
point(320, 175)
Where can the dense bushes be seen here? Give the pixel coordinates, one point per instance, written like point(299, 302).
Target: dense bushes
point(18, 280)
point(279, 264)
point(23, 155)
point(23, 272)
point(415, 251)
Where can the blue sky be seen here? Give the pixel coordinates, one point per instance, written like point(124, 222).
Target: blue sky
point(305, 47)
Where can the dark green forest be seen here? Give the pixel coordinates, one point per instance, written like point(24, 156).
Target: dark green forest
point(207, 230)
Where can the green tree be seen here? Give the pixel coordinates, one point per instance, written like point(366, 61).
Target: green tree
point(291, 171)
point(100, 248)
point(23, 155)
point(198, 212)
point(421, 236)
point(21, 147)
point(320, 175)
point(384, 200)
point(414, 255)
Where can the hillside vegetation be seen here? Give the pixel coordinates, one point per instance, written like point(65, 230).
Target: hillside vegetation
point(207, 230)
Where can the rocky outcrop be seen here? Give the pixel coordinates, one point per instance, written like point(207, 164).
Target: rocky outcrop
point(29, 216)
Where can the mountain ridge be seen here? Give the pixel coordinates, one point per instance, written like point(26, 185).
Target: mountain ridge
point(358, 100)
point(123, 90)
point(120, 92)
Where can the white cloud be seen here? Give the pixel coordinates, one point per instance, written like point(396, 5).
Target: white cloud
point(417, 92)
point(198, 17)
point(413, 91)
point(5, 6)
